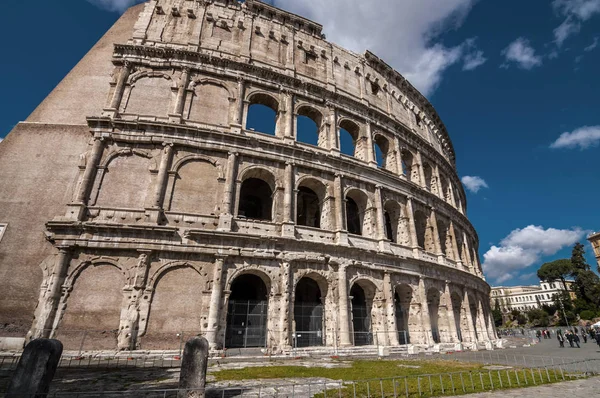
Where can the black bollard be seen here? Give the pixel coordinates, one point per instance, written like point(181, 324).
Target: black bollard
point(35, 369)
point(192, 379)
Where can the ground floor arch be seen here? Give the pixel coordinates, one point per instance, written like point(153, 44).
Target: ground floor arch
point(402, 300)
point(309, 314)
point(247, 312)
point(361, 295)
point(433, 307)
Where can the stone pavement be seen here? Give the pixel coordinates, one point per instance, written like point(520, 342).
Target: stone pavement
point(585, 388)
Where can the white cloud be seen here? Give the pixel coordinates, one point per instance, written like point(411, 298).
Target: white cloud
point(524, 247)
point(564, 30)
point(401, 32)
point(473, 57)
point(582, 138)
point(592, 46)
point(576, 12)
point(582, 9)
point(521, 53)
point(474, 184)
point(115, 5)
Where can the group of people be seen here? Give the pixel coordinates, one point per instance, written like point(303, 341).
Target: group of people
point(572, 336)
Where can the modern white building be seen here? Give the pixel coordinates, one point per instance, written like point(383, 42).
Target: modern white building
point(526, 297)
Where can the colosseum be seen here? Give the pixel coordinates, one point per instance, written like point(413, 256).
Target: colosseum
point(218, 168)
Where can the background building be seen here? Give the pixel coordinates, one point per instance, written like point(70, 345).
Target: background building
point(595, 241)
point(524, 298)
point(143, 203)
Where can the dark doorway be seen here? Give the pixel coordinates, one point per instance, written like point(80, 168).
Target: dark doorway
point(309, 209)
point(256, 200)
point(353, 217)
point(402, 308)
point(247, 313)
point(361, 317)
point(308, 314)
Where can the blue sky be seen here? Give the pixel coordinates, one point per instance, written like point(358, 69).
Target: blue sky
point(516, 83)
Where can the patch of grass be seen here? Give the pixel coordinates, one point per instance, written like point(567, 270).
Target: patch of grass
point(359, 370)
point(386, 378)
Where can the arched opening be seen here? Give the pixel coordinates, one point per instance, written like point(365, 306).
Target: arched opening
point(443, 231)
point(389, 229)
point(428, 172)
point(349, 134)
point(392, 214)
point(358, 222)
point(433, 305)
point(474, 314)
point(353, 220)
point(421, 227)
point(402, 300)
point(383, 154)
point(407, 164)
point(262, 114)
point(309, 208)
point(256, 200)
point(308, 313)
point(308, 126)
point(361, 316)
point(247, 313)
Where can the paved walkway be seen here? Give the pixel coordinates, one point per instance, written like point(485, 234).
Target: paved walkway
point(586, 388)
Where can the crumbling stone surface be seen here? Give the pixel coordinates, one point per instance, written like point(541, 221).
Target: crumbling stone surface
point(176, 218)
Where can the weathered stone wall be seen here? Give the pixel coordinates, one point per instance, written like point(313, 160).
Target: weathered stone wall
point(174, 198)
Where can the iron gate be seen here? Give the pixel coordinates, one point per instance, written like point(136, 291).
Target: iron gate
point(309, 324)
point(246, 324)
point(361, 320)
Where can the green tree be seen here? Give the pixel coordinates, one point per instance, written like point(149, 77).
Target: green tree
point(564, 306)
point(538, 317)
point(497, 314)
point(578, 258)
point(557, 270)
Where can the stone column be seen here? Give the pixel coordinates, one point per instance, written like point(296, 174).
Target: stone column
point(384, 244)
point(455, 251)
point(388, 292)
point(483, 332)
point(161, 180)
point(411, 223)
point(130, 312)
point(288, 202)
point(344, 325)
point(180, 101)
point(91, 167)
point(421, 170)
point(239, 116)
point(215, 301)
point(436, 235)
point(450, 314)
point(333, 132)
point(451, 193)
point(115, 102)
point(226, 217)
point(438, 183)
point(286, 309)
point(340, 210)
point(48, 309)
point(470, 325)
point(370, 148)
point(398, 156)
point(425, 318)
point(289, 113)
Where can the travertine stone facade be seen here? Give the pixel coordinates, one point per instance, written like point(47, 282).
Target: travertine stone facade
point(177, 216)
point(595, 241)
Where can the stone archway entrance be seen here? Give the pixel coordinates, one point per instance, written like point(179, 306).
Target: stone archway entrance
point(308, 314)
point(247, 313)
point(361, 316)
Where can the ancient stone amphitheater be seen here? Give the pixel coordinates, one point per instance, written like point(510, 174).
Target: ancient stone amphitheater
point(219, 168)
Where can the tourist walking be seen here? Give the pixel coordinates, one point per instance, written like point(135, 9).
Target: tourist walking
point(597, 338)
point(561, 339)
point(584, 335)
point(576, 339)
point(569, 337)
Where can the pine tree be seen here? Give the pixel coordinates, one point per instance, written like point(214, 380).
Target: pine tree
point(578, 259)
